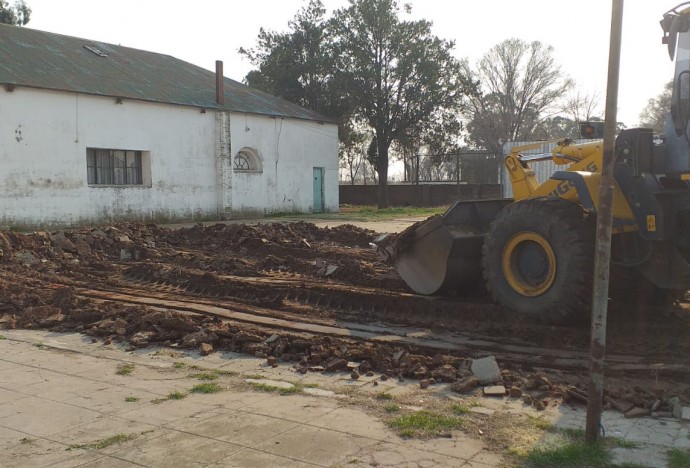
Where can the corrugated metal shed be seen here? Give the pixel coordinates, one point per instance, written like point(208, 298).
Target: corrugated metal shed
point(52, 61)
point(542, 169)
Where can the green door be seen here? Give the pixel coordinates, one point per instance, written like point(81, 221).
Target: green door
point(318, 190)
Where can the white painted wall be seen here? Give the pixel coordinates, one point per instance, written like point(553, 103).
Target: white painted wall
point(44, 136)
point(43, 141)
point(289, 150)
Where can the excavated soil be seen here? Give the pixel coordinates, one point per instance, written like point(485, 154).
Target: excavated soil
point(321, 277)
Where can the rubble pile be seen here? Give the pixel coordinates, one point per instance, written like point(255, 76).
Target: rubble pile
point(41, 274)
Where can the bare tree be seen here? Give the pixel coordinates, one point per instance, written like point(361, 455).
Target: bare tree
point(582, 107)
point(520, 82)
point(654, 113)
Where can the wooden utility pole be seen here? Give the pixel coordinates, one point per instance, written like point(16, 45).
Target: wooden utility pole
point(602, 256)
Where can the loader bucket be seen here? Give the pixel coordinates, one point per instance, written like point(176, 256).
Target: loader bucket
point(443, 255)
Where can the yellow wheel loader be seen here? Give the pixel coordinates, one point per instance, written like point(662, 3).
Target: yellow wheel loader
point(534, 254)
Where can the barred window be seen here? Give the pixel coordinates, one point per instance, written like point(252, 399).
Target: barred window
point(114, 167)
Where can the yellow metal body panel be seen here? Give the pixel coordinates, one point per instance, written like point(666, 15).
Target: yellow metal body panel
point(586, 159)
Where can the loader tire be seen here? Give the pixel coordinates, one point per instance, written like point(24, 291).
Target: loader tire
point(537, 259)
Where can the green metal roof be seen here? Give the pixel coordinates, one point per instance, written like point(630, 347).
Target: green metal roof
point(52, 61)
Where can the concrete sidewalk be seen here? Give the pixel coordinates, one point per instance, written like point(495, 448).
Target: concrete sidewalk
point(63, 404)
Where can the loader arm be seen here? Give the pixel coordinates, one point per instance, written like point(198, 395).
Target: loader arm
point(579, 183)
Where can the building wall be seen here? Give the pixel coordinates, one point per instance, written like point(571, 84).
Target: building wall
point(288, 149)
point(44, 136)
point(43, 177)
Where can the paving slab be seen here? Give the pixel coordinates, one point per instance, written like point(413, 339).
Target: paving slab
point(387, 454)
point(294, 408)
point(167, 413)
point(241, 428)
point(41, 417)
point(251, 458)
point(104, 427)
point(300, 444)
point(353, 422)
point(54, 397)
point(651, 456)
point(9, 395)
point(177, 449)
point(27, 451)
point(101, 462)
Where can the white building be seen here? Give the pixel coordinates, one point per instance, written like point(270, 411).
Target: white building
point(93, 132)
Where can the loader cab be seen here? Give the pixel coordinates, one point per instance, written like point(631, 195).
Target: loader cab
point(676, 27)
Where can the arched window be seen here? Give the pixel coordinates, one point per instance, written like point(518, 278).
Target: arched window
point(247, 160)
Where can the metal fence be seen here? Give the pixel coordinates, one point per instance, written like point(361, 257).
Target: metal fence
point(467, 167)
point(543, 170)
point(472, 167)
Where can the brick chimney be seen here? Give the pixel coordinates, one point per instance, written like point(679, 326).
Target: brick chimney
point(220, 91)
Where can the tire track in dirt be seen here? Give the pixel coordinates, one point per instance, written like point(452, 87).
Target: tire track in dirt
point(420, 338)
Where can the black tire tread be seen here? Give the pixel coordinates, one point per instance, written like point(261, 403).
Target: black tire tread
point(570, 231)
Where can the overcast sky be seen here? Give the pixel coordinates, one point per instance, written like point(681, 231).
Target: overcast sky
point(202, 31)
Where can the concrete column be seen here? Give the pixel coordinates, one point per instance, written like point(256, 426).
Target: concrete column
point(223, 165)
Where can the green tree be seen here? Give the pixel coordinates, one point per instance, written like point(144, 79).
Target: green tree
point(398, 75)
point(654, 114)
point(297, 65)
point(17, 14)
point(521, 82)
point(364, 66)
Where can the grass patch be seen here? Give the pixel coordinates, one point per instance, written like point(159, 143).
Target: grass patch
point(541, 423)
point(384, 396)
point(365, 213)
point(125, 369)
point(391, 408)
point(579, 435)
point(131, 399)
point(262, 387)
point(573, 454)
point(103, 443)
point(369, 213)
point(572, 450)
point(307, 385)
point(622, 443)
point(255, 376)
point(212, 374)
point(176, 395)
point(3, 337)
point(678, 458)
point(27, 440)
point(573, 433)
point(158, 401)
point(425, 423)
point(39, 345)
point(208, 387)
point(179, 365)
point(205, 376)
point(459, 409)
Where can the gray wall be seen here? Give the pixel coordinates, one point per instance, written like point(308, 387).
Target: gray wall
point(418, 195)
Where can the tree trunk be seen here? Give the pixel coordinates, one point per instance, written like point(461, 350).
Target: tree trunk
point(382, 169)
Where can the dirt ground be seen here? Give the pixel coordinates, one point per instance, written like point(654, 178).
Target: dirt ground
point(295, 292)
